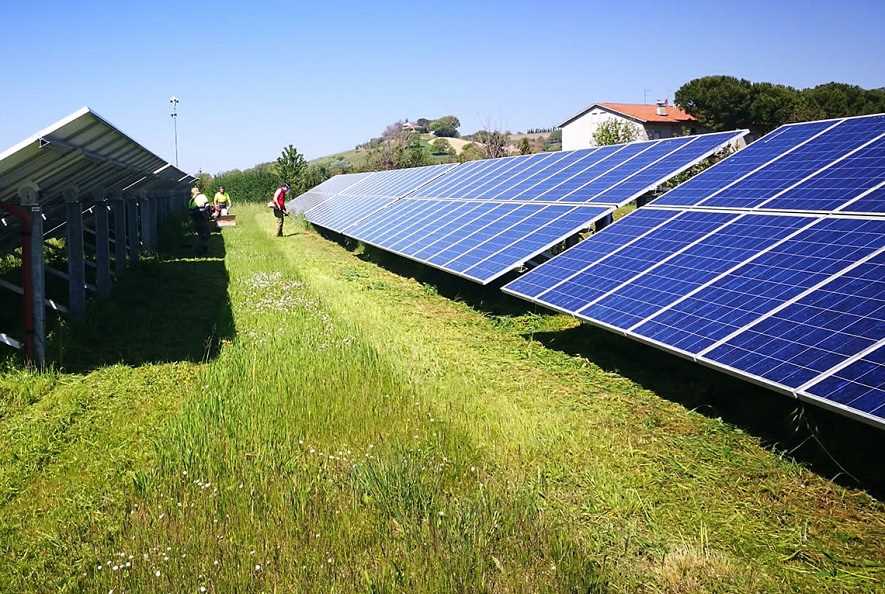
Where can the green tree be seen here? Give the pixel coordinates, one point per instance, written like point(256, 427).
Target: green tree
point(834, 100)
point(249, 185)
point(718, 102)
point(290, 168)
point(494, 143)
point(441, 146)
point(446, 126)
point(615, 131)
point(471, 152)
point(524, 147)
point(772, 106)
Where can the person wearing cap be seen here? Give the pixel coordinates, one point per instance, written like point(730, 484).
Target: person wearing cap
point(279, 206)
point(221, 201)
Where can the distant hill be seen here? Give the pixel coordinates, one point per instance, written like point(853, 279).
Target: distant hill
point(357, 159)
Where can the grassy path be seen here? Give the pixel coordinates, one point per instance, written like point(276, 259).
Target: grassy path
point(297, 418)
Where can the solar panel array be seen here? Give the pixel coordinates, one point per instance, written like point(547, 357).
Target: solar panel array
point(481, 219)
point(324, 191)
point(769, 265)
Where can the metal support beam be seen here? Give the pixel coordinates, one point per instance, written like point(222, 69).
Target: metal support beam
point(132, 230)
point(33, 276)
point(102, 249)
point(119, 211)
point(74, 248)
point(147, 235)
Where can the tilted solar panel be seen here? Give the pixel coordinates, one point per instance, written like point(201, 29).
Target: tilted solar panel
point(782, 289)
point(369, 195)
point(857, 388)
point(324, 191)
point(482, 219)
point(473, 239)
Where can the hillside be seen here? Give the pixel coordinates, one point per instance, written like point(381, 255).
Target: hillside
point(359, 158)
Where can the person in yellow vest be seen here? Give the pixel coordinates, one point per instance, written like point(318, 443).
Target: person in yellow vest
point(222, 201)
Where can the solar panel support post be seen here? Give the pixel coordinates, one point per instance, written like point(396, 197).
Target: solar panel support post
point(119, 211)
point(603, 223)
point(132, 229)
point(147, 240)
point(33, 276)
point(74, 249)
point(102, 247)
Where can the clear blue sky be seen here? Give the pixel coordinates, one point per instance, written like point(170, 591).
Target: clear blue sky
point(254, 76)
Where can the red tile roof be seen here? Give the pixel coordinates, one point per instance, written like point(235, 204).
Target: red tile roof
point(642, 112)
point(648, 113)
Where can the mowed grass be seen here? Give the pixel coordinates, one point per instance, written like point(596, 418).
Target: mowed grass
point(295, 418)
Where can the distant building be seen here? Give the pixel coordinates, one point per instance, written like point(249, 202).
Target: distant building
point(653, 121)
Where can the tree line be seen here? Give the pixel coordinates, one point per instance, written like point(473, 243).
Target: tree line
point(728, 103)
point(257, 184)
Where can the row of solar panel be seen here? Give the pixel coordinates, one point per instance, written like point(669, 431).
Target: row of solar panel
point(483, 218)
point(608, 175)
point(478, 240)
point(777, 298)
point(834, 165)
point(786, 299)
point(324, 191)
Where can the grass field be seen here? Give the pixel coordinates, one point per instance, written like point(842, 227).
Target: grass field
point(290, 415)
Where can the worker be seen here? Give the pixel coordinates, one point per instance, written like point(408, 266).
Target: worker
point(279, 206)
point(222, 201)
point(200, 218)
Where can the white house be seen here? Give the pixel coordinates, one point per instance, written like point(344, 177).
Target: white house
point(652, 121)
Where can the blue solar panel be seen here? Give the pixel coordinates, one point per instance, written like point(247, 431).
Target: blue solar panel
point(478, 240)
point(843, 137)
point(743, 238)
point(573, 260)
point(682, 155)
point(549, 229)
point(756, 288)
point(607, 274)
point(873, 202)
point(524, 168)
point(526, 186)
point(816, 333)
point(741, 163)
point(860, 386)
point(371, 194)
point(612, 157)
point(793, 301)
point(836, 185)
point(339, 212)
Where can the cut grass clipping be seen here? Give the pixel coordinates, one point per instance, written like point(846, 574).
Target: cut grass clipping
point(285, 415)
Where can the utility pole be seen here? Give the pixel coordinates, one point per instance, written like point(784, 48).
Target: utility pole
point(645, 95)
point(174, 101)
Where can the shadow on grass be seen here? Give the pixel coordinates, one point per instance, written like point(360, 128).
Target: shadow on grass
point(171, 307)
point(832, 445)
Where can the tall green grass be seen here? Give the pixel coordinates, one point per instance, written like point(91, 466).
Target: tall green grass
point(324, 425)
